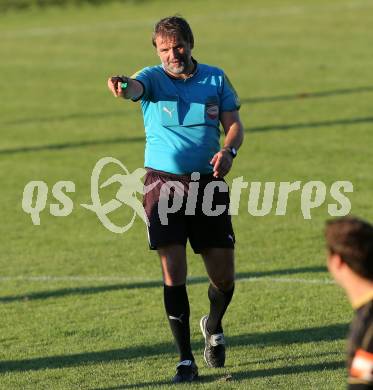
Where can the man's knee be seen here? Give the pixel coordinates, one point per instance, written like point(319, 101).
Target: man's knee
point(220, 267)
point(173, 274)
point(173, 280)
point(224, 284)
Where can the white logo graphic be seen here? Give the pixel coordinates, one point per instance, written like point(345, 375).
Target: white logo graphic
point(126, 195)
point(165, 109)
point(263, 199)
point(176, 318)
point(217, 339)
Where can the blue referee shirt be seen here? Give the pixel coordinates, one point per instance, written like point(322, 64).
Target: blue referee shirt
point(181, 117)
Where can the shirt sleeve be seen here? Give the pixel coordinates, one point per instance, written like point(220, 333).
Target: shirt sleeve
point(229, 100)
point(144, 77)
point(361, 370)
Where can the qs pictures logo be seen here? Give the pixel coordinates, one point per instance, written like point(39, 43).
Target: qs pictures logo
point(175, 196)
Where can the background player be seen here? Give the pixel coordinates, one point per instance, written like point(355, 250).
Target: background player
point(350, 261)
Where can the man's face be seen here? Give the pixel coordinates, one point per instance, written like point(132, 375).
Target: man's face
point(175, 54)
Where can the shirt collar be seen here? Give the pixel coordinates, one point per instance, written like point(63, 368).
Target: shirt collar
point(363, 300)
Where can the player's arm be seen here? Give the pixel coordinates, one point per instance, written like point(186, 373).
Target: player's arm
point(233, 129)
point(125, 87)
point(361, 369)
point(234, 135)
point(360, 376)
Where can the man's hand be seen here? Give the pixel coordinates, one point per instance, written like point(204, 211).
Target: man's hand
point(114, 84)
point(222, 162)
point(131, 89)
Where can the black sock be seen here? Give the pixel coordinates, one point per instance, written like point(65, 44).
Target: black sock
point(177, 308)
point(219, 301)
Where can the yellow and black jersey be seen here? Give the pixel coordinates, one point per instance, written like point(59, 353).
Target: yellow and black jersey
point(360, 346)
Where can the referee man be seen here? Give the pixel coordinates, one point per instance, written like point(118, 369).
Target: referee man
point(183, 103)
point(350, 261)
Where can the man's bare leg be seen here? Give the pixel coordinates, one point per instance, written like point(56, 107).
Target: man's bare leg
point(174, 264)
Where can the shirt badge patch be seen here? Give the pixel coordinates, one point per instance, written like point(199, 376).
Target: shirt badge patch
point(362, 365)
point(212, 108)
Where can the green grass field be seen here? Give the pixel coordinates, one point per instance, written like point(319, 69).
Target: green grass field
point(81, 307)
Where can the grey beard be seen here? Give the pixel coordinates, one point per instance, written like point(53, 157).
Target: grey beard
point(177, 70)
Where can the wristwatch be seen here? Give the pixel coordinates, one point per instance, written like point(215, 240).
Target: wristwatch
point(232, 151)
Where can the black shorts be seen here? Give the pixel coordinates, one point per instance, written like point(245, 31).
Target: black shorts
point(203, 231)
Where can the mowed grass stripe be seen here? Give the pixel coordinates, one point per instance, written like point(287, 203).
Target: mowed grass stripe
point(83, 278)
point(267, 12)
